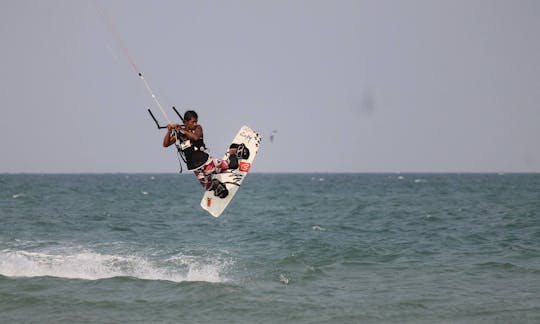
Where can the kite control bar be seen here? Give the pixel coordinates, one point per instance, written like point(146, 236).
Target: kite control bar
point(179, 152)
point(154, 118)
point(157, 123)
point(176, 111)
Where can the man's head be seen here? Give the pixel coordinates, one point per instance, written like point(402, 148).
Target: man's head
point(191, 119)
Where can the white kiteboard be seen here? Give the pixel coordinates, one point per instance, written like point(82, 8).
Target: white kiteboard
point(233, 178)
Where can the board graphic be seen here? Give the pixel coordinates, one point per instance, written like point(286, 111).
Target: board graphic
point(233, 178)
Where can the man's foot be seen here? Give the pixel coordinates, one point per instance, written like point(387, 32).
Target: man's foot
point(240, 150)
point(219, 188)
point(233, 162)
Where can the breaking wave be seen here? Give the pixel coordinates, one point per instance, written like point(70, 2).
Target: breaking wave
point(92, 265)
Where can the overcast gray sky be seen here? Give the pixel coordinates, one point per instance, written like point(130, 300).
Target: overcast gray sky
point(350, 86)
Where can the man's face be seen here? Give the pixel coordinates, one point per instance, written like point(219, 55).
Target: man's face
point(191, 124)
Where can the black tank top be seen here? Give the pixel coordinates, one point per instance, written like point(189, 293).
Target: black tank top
point(194, 151)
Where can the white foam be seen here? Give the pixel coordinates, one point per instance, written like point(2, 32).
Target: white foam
point(90, 265)
point(318, 228)
point(283, 279)
point(201, 268)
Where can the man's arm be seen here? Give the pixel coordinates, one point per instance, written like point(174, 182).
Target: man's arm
point(195, 135)
point(168, 140)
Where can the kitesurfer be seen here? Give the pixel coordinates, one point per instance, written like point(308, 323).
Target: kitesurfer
point(188, 138)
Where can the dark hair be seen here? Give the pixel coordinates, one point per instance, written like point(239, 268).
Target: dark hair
point(189, 115)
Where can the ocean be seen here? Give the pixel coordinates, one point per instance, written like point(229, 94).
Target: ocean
point(290, 248)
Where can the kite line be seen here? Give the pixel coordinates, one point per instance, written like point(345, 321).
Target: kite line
point(128, 55)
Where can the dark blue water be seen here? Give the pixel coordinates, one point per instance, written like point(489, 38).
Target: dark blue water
point(299, 248)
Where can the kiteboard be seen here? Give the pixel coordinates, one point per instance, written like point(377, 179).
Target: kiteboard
point(232, 179)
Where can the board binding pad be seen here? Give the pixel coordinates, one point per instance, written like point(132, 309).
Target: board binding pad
point(232, 179)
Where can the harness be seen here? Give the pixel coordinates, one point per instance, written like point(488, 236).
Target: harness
point(190, 151)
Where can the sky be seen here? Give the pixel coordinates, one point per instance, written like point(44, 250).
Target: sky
point(347, 86)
